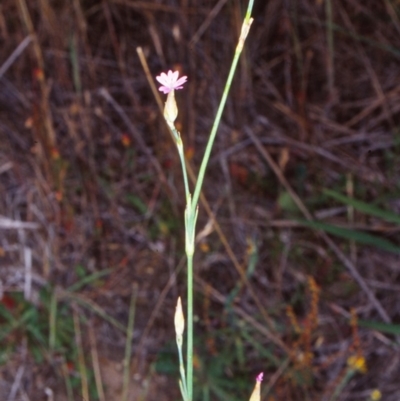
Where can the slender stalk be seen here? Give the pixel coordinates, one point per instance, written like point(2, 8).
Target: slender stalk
point(96, 364)
point(190, 223)
point(81, 356)
point(191, 211)
point(183, 375)
point(245, 29)
point(191, 208)
point(189, 359)
point(179, 145)
point(68, 384)
point(53, 318)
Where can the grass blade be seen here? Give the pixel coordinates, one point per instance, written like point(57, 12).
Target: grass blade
point(388, 328)
point(88, 279)
point(358, 236)
point(364, 207)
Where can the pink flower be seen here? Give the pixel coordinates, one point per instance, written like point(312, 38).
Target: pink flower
point(170, 81)
point(260, 377)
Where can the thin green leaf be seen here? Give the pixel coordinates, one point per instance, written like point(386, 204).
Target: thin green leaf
point(137, 203)
point(364, 207)
point(388, 328)
point(88, 279)
point(354, 235)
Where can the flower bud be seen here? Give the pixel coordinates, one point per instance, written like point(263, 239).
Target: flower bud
point(179, 319)
point(256, 394)
point(170, 109)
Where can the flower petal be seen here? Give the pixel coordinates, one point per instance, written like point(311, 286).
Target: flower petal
point(164, 89)
point(174, 76)
point(162, 78)
point(181, 81)
point(170, 81)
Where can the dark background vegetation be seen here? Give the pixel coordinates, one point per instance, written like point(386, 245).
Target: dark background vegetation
point(297, 267)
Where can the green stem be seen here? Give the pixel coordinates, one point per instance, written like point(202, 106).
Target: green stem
point(52, 324)
point(182, 373)
point(213, 133)
point(179, 145)
point(191, 207)
point(189, 359)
